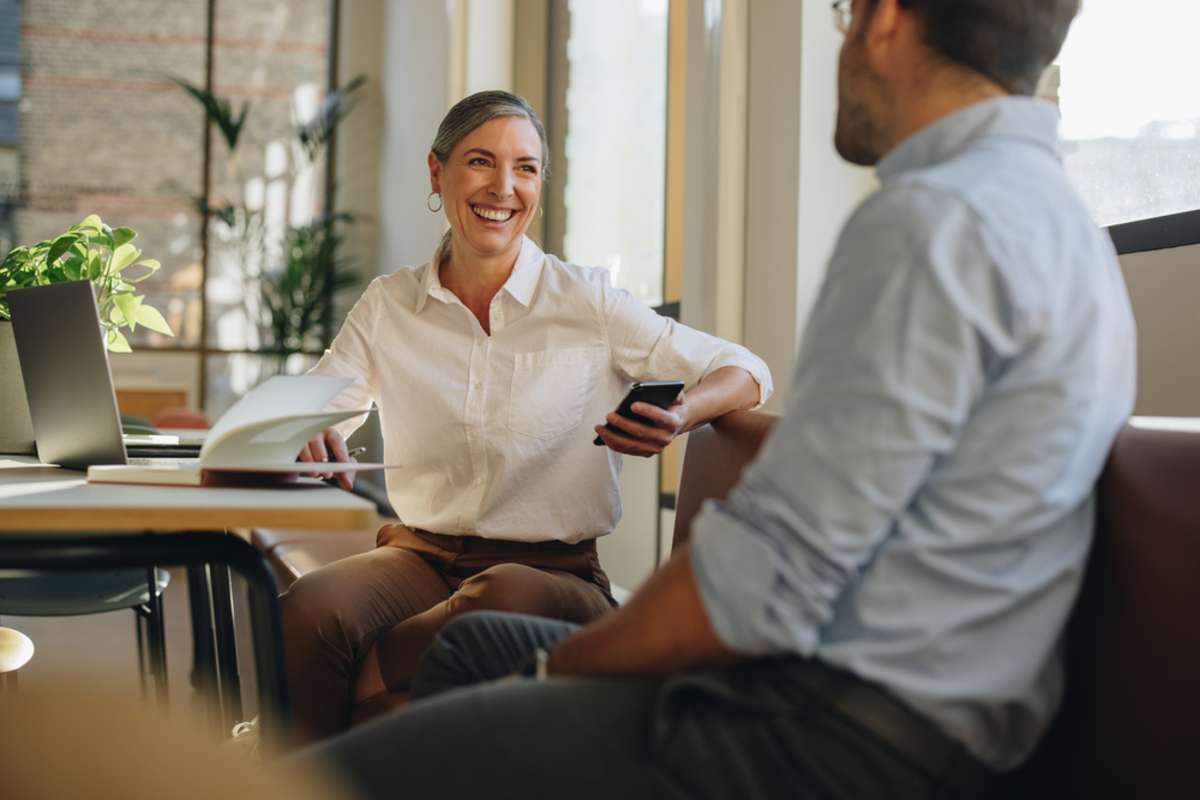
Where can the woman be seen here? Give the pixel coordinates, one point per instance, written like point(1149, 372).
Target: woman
point(487, 364)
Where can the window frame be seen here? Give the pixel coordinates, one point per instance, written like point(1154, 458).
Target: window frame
point(1156, 233)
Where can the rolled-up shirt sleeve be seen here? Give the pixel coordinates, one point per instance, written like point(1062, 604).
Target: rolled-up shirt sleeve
point(893, 359)
point(350, 356)
point(648, 346)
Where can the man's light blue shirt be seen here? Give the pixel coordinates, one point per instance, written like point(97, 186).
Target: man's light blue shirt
point(922, 514)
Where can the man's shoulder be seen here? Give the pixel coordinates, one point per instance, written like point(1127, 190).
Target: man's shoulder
point(908, 214)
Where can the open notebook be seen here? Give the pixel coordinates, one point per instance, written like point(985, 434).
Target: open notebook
point(256, 439)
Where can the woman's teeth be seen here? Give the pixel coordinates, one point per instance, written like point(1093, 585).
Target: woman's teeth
point(493, 214)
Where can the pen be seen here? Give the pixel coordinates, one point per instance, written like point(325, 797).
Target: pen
point(354, 451)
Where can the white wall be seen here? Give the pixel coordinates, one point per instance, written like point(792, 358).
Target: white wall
point(489, 52)
point(1163, 287)
point(360, 136)
point(830, 188)
point(799, 192)
point(414, 87)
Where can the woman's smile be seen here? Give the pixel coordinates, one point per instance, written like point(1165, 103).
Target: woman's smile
point(494, 214)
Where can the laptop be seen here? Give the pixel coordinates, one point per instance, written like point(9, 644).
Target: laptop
point(72, 405)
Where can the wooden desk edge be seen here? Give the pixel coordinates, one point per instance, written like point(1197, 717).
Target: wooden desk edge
point(199, 518)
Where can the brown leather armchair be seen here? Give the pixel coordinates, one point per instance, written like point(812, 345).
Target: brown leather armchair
point(1130, 721)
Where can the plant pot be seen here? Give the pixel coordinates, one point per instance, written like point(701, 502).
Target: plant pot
point(16, 431)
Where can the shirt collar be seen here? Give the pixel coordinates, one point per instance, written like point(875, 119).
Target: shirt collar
point(1025, 118)
point(520, 284)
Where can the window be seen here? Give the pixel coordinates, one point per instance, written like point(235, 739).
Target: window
point(615, 147)
point(1131, 112)
point(91, 122)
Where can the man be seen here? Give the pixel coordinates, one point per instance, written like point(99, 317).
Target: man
point(877, 610)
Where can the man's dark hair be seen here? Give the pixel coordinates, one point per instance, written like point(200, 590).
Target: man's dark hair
point(1009, 41)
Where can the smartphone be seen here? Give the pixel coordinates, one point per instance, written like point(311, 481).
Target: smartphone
point(656, 393)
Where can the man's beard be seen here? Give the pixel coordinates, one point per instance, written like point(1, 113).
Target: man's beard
point(857, 136)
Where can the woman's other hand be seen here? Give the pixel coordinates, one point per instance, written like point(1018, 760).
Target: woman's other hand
point(328, 445)
point(641, 439)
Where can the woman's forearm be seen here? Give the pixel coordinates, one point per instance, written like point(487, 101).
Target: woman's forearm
point(721, 391)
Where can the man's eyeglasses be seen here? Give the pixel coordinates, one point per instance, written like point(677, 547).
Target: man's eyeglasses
point(841, 15)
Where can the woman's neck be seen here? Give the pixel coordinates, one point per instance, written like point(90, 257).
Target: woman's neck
point(475, 279)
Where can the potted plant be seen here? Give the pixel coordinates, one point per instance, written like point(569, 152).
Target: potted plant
point(288, 291)
point(89, 251)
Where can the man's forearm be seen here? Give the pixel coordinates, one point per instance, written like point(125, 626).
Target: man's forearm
point(724, 390)
point(661, 629)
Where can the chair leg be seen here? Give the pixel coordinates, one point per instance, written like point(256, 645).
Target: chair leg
point(139, 623)
point(157, 636)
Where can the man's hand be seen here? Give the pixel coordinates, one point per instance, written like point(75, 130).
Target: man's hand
point(663, 628)
point(640, 439)
point(328, 445)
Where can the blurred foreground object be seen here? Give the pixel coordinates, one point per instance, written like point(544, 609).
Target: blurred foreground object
point(88, 744)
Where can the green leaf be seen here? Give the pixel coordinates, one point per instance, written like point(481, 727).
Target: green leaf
point(121, 236)
point(152, 266)
point(128, 303)
point(116, 316)
point(91, 221)
point(117, 343)
point(61, 245)
point(73, 267)
point(95, 266)
point(122, 257)
point(149, 316)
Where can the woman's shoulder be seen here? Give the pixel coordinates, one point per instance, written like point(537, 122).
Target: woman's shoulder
point(401, 286)
point(565, 274)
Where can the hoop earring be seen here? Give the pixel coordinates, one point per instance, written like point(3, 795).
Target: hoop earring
point(429, 202)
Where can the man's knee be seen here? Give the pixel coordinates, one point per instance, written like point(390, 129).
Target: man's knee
point(481, 646)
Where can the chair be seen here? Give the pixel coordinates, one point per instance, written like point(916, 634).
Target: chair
point(176, 417)
point(26, 593)
point(1126, 727)
point(15, 651)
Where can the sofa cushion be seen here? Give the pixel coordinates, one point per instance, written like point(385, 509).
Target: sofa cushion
point(713, 463)
point(1128, 721)
point(291, 553)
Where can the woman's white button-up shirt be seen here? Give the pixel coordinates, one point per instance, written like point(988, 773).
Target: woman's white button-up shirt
point(494, 433)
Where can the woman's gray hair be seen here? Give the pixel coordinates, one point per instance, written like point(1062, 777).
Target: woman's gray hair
point(467, 115)
point(474, 110)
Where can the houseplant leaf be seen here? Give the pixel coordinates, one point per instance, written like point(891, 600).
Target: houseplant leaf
point(149, 264)
point(128, 304)
point(95, 266)
point(122, 236)
point(152, 319)
point(117, 343)
point(122, 257)
point(61, 245)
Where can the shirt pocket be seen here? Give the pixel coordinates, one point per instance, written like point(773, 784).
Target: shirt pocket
point(550, 390)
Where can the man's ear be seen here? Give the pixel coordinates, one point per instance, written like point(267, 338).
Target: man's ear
point(435, 173)
point(882, 32)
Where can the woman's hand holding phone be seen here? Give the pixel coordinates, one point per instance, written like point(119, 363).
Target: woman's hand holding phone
point(328, 445)
point(647, 439)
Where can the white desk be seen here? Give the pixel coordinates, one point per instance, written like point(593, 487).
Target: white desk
point(52, 519)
